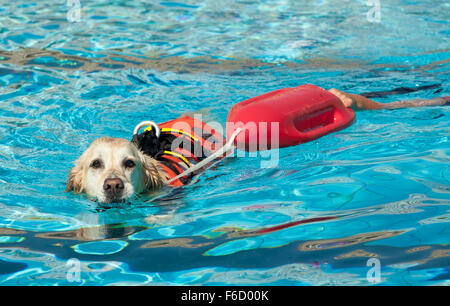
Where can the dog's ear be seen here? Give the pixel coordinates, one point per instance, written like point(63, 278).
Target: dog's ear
point(75, 180)
point(154, 176)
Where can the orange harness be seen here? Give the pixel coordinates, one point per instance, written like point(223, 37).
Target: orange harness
point(182, 143)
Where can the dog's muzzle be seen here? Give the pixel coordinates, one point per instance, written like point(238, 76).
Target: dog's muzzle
point(113, 188)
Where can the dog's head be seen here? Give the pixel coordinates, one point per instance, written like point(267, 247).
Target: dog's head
point(113, 170)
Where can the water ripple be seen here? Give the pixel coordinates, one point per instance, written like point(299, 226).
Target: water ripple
point(378, 189)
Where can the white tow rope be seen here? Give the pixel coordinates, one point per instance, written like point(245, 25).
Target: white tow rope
point(229, 146)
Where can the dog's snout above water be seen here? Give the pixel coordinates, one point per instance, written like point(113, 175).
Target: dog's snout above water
point(113, 186)
point(113, 170)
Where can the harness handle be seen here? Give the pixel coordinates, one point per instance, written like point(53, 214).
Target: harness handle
point(143, 123)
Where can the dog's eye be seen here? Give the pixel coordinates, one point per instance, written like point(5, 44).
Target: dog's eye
point(129, 163)
point(96, 164)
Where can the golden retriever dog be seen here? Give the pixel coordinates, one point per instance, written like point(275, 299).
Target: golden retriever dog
point(113, 170)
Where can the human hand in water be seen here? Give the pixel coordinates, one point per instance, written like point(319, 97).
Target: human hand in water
point(356, 102)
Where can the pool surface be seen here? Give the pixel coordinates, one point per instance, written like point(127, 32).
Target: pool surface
point(373, 196)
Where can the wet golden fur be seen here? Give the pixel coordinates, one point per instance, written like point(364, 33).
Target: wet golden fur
point(112, 154)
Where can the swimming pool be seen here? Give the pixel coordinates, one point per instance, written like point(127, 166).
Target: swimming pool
point(378, 191)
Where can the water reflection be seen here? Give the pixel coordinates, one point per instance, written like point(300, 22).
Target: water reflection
point(324, 244)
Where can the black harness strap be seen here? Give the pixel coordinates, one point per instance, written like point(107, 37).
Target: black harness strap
point(155, 147)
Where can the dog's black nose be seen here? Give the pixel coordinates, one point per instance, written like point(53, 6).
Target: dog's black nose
point(113, 185)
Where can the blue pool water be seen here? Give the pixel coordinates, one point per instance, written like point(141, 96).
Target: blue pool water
point(378, 189)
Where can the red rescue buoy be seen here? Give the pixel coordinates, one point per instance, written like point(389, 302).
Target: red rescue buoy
point(287, 117)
